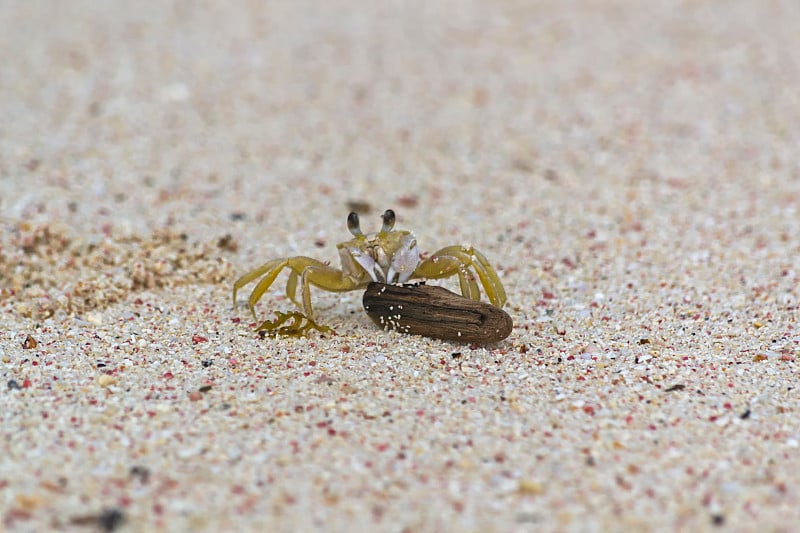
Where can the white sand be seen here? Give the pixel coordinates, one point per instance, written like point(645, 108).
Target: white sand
point(631, 170)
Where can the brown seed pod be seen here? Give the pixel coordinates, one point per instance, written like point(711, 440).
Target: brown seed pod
point(435, 312)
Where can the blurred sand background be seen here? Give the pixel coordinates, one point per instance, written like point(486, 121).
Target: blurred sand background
point(630, 168)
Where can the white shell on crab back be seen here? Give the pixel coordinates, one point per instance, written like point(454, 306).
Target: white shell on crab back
point(385, 269)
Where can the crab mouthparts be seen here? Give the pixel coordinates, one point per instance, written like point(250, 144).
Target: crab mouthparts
point(395, 268)
point(385, 276)
point(381, 273)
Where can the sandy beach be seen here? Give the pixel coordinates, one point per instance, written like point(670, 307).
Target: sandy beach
point(630, 169)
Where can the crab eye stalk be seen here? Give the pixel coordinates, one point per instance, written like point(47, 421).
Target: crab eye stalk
point(353, 224)
point(388, 220)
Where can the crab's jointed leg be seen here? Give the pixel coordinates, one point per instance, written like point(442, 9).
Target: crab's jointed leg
point(306, 270)
point(452, 260)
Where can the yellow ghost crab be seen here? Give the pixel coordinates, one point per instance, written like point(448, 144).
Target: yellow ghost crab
point(388, 256)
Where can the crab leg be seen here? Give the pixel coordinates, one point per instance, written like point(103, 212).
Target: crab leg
point(327, 278)
point(256, 273)
point(270, 271)
point(305, 269)
point(291, 287)
point(457, 259)
point(444, 266)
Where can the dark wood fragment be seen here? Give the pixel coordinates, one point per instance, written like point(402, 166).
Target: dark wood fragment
point(435, 312)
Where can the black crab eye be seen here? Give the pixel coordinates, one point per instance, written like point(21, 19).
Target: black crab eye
point(388, 220)
point(353, 224)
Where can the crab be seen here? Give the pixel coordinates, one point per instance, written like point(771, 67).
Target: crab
point(388, 256)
